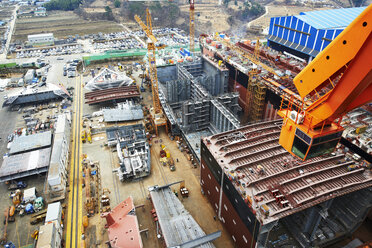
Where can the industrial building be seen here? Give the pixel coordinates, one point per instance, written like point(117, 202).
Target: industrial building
point(122, 225)
point(106, 79)
point(31, 142)
point(307, 34)
point(57, 173)
point(175, 224)
point(260, 82)
point(51, 233)
point(133, 151)
point(125, 111)
point(41, 39)
point(25, 164)
point(40, 11)
point(196, 101)
point(33, 95)
point(261, 192)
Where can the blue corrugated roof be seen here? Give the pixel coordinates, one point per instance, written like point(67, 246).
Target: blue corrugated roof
point(331, 18)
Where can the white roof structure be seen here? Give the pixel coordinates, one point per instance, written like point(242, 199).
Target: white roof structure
point(107, 78)
point(39, 35)
point(176, 223)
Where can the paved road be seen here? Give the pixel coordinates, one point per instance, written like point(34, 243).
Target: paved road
point(74, 214)
point(12, 24)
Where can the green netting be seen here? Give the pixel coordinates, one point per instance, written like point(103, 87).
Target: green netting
point(8, 65)
point(112, 54)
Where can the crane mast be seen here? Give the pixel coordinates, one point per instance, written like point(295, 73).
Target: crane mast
point(192, 26)
point(158, 118)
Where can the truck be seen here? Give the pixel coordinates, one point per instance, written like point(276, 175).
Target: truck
point(172, 167)
point(29, 76)
point(17, 185)
point(71, 74)
point(41, 72)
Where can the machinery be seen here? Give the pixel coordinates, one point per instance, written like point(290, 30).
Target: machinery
point(338, 80)
point(192, 25)
point(39, 204)
point(83, 136)
point(9, 245)
point(157, 116)
point(89, 135)
point(17, 197)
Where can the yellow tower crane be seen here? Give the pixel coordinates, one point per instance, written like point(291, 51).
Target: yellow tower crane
point(157, 115)
point(192, 25)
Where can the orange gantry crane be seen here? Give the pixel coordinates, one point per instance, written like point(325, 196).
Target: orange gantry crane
point(338, 80)
point(192, 26)
point(157, 115)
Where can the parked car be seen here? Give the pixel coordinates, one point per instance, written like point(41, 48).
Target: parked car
point(64, 73)
point(60, 58)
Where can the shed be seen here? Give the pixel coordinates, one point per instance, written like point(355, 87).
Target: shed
point(54, 212)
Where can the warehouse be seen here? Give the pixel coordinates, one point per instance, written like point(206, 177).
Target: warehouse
point(57, 173)
point(41, 39)
point(308, 33)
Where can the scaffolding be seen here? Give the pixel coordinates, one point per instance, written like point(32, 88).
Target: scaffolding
point(258, 101)
point(255, 97)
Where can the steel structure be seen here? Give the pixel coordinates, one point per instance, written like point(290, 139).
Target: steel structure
point(253, 182)
point(338, 80)
point(171, 218)
point(158, 116)
point(192, 26)
point(111, 94)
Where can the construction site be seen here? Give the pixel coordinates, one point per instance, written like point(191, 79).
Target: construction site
point(159, 137)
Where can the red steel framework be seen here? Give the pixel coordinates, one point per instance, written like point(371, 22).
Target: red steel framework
point(111, 94)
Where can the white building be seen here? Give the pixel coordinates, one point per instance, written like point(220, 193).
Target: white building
point(57, 174)
point(50, 235)
point(40, 11)
point(41, 39)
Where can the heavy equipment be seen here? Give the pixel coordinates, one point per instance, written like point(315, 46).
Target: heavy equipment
point(157, 114)
point(338, 80)
point(83, 136)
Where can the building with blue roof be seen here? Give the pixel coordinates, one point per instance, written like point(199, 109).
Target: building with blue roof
point(308, 33)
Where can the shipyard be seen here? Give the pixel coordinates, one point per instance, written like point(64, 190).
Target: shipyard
point(211, 123)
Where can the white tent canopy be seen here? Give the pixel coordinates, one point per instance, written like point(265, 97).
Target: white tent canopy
point(107, 78)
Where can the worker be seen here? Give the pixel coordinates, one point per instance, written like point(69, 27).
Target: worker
point(214, 217)
point(177, 160)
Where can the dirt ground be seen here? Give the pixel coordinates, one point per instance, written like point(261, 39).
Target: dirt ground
point(196, 203)
point(61, 24)
point(280, 10)
point(210, 16)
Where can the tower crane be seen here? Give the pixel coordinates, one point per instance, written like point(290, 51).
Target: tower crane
point(157, 115)
point(337, 81)
point(192, 25)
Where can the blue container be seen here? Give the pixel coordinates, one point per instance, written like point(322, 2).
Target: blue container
point(187, 52)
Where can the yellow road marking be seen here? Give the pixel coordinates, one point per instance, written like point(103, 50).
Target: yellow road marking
point(76, 137)
point(80, 196)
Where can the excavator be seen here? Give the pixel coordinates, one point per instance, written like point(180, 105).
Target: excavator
point(337, 81)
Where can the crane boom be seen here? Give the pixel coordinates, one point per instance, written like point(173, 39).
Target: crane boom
point(146, 28)
point(340, 79)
